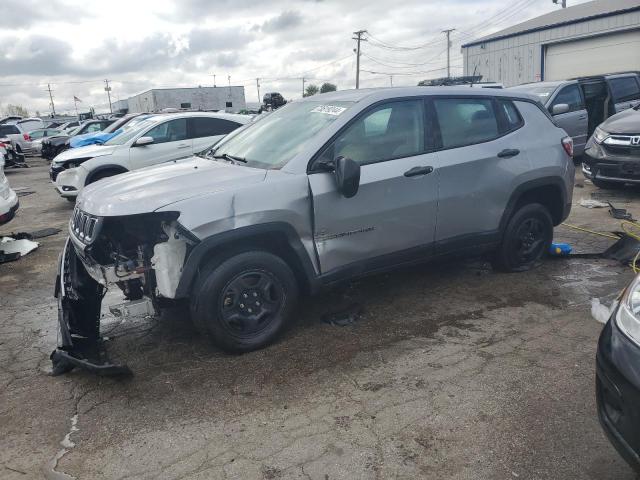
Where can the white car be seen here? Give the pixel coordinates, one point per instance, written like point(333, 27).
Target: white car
point(8, 198)
point(157, 139)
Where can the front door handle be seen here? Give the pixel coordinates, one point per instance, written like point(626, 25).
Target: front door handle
point(509, 152)
point(582, 117)
point(416, 171)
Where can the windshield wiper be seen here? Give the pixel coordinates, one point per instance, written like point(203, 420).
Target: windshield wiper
point(231, 158)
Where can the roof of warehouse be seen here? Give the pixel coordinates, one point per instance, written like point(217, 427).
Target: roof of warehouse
point(564, 16)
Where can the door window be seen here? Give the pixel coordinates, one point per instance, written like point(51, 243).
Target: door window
point(209, 127)
point(37, 134)
point(392, 130)
point(465, 121)
point(94, 127)
point(8, 130)
point(171, 131)
point(624, 89)
point(571, 96)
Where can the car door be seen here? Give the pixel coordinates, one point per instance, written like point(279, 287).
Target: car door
point(392, 217)
point(576, 121)
point(205, 131)
point(170, 142)
point(625, 91)
point(479, 158)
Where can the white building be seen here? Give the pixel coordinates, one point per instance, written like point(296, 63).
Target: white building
point(229, 99)
point(593, 38)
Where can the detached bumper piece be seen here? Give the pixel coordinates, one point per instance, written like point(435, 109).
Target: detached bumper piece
point(79, 302)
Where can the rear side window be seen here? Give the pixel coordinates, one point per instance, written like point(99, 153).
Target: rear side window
point(511, 115)
point(209, 127)
point(624, 89)
point(8, 129)
point(465, 121)
point(571, 96)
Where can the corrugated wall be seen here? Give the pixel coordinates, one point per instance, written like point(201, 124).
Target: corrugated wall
point(518, 59)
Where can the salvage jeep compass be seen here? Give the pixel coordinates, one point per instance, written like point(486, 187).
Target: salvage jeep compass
point(322, 190)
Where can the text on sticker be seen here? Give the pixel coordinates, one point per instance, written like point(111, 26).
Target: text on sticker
point(328, 109)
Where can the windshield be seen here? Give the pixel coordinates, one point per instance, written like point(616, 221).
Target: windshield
point(274, 140)
point(542, 91)
point(129, 131)
point(73, 131)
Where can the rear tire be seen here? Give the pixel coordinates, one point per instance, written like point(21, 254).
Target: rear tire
point(526, 239)
point(244, 302)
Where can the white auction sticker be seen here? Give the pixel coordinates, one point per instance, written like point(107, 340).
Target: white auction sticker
point(328, 109)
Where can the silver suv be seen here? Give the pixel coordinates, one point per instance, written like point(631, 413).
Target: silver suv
point(320, 191)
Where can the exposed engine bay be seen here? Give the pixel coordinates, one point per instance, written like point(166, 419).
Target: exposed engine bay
point(142, 255)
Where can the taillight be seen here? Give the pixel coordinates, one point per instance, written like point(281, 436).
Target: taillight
point(567, 144)
point(26, 137)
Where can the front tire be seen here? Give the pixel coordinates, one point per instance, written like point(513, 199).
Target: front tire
point(526, 238)
point(244, 302)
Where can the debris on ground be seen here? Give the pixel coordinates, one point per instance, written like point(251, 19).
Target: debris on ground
point(45, 232)
point(579, 185)
point(619, 213)
point(24, 193)
point(600, 312)
point(343, 317)
point(12, 249)
point(591, 203)
point(560, 249)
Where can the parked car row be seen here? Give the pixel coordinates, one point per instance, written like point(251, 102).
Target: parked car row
point(141, 142)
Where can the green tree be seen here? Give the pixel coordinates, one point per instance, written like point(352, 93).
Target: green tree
point(310, 90)
point(328, 87)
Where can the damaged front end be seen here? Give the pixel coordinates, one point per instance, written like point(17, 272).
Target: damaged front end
point(142, 255)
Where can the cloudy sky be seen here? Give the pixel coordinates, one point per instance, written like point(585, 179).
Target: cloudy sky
point(139, 44)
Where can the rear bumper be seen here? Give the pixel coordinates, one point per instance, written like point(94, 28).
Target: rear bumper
point(618, 391)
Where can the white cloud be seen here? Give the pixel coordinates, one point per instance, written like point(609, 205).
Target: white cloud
point(142, 44)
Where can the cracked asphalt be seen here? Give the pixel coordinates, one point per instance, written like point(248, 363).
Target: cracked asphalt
point(453, 371)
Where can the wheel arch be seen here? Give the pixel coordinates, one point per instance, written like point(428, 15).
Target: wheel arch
point(279, 238)
point(103, 168)
point(548, 191)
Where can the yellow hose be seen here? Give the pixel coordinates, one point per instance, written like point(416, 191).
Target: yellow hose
point(608, 235)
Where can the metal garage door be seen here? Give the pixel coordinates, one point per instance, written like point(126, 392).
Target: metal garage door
point(616, 52)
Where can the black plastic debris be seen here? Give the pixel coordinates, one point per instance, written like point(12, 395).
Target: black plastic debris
point(343, 317)
point(619, 213)
point(45, 232)
point(24, 193)
point(624, 250)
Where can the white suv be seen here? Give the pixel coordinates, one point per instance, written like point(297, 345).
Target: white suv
point(158, 139)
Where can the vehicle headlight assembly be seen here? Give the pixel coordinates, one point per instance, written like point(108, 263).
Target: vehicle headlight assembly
point(628, 316)
point(599, 135)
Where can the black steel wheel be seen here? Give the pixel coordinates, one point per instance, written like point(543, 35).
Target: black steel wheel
point(526, 238)
point(244, 300)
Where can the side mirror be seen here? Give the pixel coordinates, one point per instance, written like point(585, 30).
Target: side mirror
point(142, 141)
point(559, 109)
point(347, 173)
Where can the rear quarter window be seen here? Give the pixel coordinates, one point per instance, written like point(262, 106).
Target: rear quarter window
point(512, 119)
point(8, 130)
point(624, 89)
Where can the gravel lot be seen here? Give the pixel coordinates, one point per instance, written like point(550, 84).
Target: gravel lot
point(453, 371)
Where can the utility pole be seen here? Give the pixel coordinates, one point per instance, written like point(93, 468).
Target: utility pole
point(448, 32)
point(258, 87)
point(108, 90)
point(358, 38)
point(53, 107)
point(214, 80)
point(391, 79)
point(303, 80)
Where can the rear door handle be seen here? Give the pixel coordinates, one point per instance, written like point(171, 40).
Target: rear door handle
point(509, 152)
point(416, 171)
point(582, 117)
